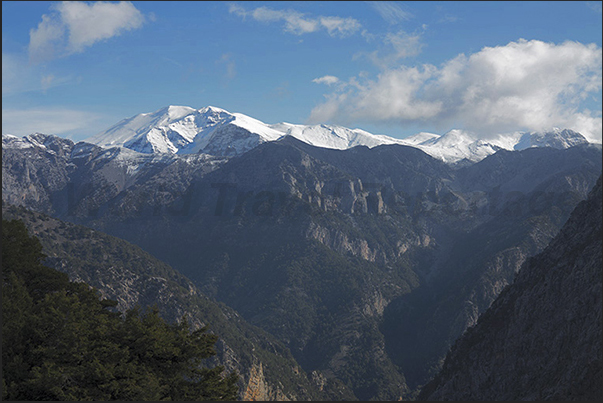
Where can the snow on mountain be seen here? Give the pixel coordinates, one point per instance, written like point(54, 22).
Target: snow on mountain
point(8, 140)
point(556, 138)
point(211, 130)
point(457, 145)
point(158, 132)
point(49, 143)
point(336, 137)
point(215, 131)
point(452, 147)
point(185, 130)
point(118, 165)
point(422, 138)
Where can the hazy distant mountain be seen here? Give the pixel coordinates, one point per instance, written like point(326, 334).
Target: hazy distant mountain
point(211, 130)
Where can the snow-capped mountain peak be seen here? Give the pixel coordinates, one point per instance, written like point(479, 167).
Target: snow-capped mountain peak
point(47, 142)
point(178, 112)
point(453, 146)
point(212, 130)
point(168, 129)
point(422, 138)
point(458, 145)
point(455, 138)
point(556, 138)
point(332, 136)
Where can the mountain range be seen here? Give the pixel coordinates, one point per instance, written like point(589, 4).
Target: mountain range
point(215, 131)
point(366, 261)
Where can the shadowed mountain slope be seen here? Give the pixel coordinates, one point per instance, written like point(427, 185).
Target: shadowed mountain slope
point(541, 339)
point(125, 273)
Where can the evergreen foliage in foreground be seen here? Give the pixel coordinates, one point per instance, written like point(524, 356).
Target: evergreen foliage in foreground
point(60, 341)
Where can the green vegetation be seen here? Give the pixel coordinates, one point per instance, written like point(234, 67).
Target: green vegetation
point(60, 341)
point(124, 272)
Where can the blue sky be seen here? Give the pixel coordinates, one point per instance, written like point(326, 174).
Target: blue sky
point(395, 68)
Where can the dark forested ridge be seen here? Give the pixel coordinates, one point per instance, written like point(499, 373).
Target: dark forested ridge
point(125, 273)
point(542, 338)
point(61, 341)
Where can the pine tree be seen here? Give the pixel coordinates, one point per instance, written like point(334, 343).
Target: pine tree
point(61, 341)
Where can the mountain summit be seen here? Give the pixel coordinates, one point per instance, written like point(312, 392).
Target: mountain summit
point(458, 145)
point(556, 138)
point(212, 130)
point(184, 130)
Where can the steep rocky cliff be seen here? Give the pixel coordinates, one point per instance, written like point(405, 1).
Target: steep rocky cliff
point(542, 337)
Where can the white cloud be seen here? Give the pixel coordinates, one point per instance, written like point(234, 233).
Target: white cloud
point(587, 124)
point(328, 80)
point(294, 21)
point(60, 121)
point(75, 25)
point(524, 85)
point(392, 97)
point(397, 46)
point(44, 39)
point(88, 24)
point(341, 27)
point(298, 23)
point(390, 11)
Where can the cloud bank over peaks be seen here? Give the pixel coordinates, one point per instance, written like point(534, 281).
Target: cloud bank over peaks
point(74, 26)
point(524, 85)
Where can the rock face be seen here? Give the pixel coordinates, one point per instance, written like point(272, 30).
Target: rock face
point(541, 339)
point(258, 390)
point(40, 167)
